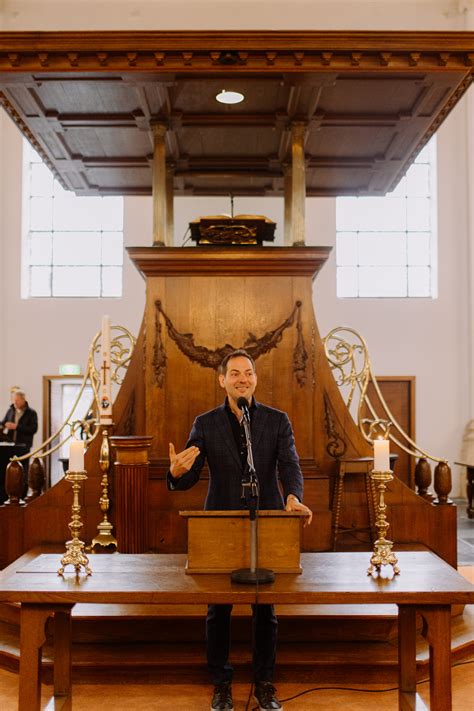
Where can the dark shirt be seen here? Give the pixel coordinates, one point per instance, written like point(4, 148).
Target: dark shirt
point(27, 425)
point(238, 430)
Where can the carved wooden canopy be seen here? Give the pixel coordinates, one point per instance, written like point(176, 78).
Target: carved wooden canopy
point(87, 101)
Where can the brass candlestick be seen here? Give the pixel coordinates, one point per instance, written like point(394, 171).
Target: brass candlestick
point(382, 554)
point(75, 548)
point(104, 537)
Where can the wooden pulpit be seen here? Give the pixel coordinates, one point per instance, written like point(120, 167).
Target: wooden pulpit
point(219, 541)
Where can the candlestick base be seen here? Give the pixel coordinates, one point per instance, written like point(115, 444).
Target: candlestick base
point(104, 538)
point(75, 556)
point(383, 555)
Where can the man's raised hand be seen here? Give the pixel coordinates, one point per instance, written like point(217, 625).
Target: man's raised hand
point(183, 461)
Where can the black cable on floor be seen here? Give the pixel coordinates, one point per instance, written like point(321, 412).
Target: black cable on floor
point(349, 688)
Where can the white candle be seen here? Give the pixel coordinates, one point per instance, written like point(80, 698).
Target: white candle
point(381, 455)
point(105, 408)
point(76, 456)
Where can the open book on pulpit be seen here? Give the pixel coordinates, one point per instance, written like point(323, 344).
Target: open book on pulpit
point(219, 541)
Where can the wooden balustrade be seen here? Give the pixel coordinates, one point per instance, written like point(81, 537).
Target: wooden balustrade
point(36, 479)
point(423, 478)
point(14, 483)
point(442, 483)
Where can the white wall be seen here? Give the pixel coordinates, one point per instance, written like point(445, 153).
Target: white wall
point(426, 338)
point(40, 334)
point(227, 14)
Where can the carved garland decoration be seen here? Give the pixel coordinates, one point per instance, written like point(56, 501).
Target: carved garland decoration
point(336, 446)
point(211, 359)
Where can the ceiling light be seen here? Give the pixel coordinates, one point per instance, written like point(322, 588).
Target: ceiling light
point(230, 97)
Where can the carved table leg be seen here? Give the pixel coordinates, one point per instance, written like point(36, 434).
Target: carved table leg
point(62, 652)
point(32, 637)
point(437, 632)
point(407, 657)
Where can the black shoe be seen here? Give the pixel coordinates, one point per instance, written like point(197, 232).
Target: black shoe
point(265, 696)
point(222, 699)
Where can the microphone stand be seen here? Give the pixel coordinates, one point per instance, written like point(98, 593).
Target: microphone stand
point(250, 494)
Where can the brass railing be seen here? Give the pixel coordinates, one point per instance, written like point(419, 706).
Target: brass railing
point(121, 349)
point(348, 357)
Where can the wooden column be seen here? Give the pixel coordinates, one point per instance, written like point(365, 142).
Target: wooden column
point(159, 185)
point(287, 204)
point(298, 183)
point(131, 492)
point(169, 206)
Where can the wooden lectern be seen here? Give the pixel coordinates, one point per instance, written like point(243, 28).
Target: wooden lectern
point(219, 541)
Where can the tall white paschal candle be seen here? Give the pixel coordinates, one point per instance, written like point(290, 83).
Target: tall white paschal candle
point(76, 456)
point(381, 455)
point(105, 409)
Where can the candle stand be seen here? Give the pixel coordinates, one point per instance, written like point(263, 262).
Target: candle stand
point(382, 553)
point(104, 537)
point(75, 554)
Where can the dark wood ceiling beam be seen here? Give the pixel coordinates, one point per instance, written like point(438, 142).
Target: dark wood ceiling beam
point(226, 173)
point(190, 191)
point(172, 144)
point(294, 96)
point(347, 120)
point(229, 164)
point(62, 121)
point(221, 119)
point(117, 162)
point(137, 119)
point(225, 192)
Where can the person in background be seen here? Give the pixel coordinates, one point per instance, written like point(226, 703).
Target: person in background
point(13, 390)
point(20, 424)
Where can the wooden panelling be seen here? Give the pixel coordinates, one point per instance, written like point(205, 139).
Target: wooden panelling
point(212, 297)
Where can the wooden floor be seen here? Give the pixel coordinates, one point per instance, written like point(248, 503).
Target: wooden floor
point(122, 696)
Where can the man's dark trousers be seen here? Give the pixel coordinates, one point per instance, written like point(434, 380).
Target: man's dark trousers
point(264, 630)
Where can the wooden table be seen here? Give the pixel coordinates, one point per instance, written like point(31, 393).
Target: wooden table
point(427, 585)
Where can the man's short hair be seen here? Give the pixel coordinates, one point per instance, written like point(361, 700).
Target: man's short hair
point(240, 352)
point(21, 393)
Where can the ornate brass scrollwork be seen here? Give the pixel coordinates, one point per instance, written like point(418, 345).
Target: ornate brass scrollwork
point(348, 357)
point(121, 349)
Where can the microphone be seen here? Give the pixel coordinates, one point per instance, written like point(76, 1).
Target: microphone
point(243, 405)
point(250, 494)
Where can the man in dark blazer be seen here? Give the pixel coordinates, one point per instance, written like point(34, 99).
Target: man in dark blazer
point(218, 437)
point(20, 423)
